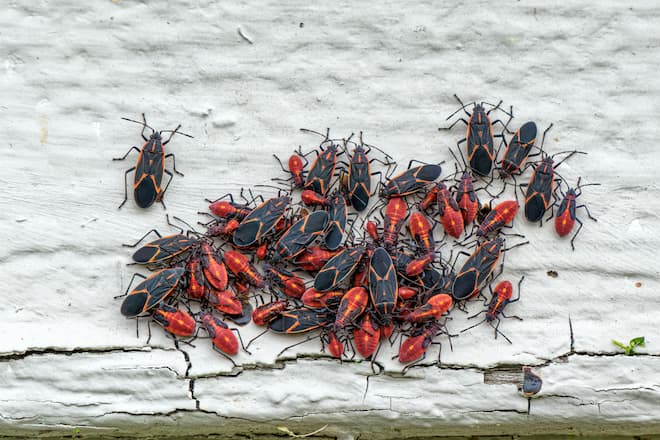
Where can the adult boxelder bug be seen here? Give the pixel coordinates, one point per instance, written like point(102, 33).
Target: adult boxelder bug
point(163, 250)
point(478, 267)
point(500, 298)
point(501, 215)
point(518, 149)
point(566, 214)
point(338, 216)
point(358, 183)
point(338, 268)
point(150, 166)
point(411, 180)
point(301, 234)
point(383, 285)
point(151, 292)
point(298, 321)
point(323, 168)
point(540, 194)
point(260, 221)
point(479, 136)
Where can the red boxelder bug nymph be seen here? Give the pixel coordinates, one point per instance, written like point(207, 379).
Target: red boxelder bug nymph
point(265, 313)
point(175, 321)
point(433, 308)
point(301, 234)
point(289, 283)
point(479, 136)
point(196, 287)
point(353, 304)
point(566, 214)
point(151, 292)
point(297, 165)
point(366, 335)
point(395, 215)
point(223, 339)
point(260, 221)
point(414, 347)
point(150, 166)
point(498, 217)
point(540, 195)
point(420, 230)
point(314, 258)
point(215, 272)
point(240, 266)
point(338, 268)
point(466, 195)
point(411, 180)
point(449, 212)
point(500, 298)
point(383, 285)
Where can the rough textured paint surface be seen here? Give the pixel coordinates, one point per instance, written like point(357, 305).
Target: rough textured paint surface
point(243, 78)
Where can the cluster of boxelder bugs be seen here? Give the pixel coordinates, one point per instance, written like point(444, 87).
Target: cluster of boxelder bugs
point(354, 263)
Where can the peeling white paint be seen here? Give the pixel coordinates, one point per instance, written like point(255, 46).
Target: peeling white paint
point(389, 70)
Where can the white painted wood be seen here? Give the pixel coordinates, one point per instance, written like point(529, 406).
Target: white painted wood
point(69, 72)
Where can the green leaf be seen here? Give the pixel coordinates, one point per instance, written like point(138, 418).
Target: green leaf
point(619, 344)
point(637, 342)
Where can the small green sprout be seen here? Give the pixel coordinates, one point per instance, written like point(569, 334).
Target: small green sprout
point(630, 348)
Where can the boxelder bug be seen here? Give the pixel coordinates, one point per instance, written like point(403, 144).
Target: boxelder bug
point(151, 292)
point(500, 298)
point(163, 250)
point(358, 184)
point(214, 270)
point(176, 321)
point(314, 258)
point(297, 165)
point(383, 285)
point(566, 214)
point(298, 321)
point(338, 216)
point(501, 215)
point(395, 215)
point(301, 234)
point(518, 149)
point(265, 313)
point(291, 284)
point(150, 166)
point(420, 230)
point(353, 304)
point(466, 195)
point(540, 195)
point(366, 335)
point(338, 268)
point(414, 347)
point(260, 221)
point(433, 308)
point(411, 180)
point(479, 136)
point(241, 267)
point(323, 168)
point(478, 267)
point(449, 212)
